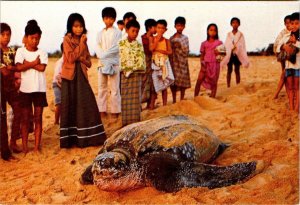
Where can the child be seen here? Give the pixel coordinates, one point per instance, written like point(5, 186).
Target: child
point(10, 84)
point(282, 38)
point(161, 48)
point(132, 65)
point(108, 72)
point(210, 67)
point(148, 92)
point(292, 70)
point(126, 18)
point(32, 62)
point(236, 53)
point(80, 123)
point(56, 85)
point(120, 24)
point(179, 59)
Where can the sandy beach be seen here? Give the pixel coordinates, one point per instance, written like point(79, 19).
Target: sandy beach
point(244, 116)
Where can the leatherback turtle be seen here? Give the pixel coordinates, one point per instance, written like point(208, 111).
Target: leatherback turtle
point(168, 153)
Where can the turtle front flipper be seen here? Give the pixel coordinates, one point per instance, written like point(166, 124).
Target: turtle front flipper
point(87, 176)
point(212, 176)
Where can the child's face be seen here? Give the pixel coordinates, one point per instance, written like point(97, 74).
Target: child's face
point(32, 41)
point(212, 31)
point(152, 30)
point(132, 33)
point(179, 27)
point(235, 24)
point(108, 21)
point(161, 29)
point(293, 39)
point(287, 24)
point(77, 28)
point(294, 25)
point(5, 38)
point(121, 27)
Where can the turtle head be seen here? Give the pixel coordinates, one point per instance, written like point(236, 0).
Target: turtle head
point(115, 171)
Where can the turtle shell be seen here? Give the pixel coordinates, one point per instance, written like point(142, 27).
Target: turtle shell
point(177, 133)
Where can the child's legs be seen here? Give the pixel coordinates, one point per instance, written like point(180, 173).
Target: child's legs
point(229, 71)
point(13, 100)
point(25, 126)
point(289, 88)
point(174, 90)
point(296, 91)
point(237, 66)
point(4, 149)
point(200, 79)
point(164, 96)
point(280, 84)
point(182, 93)
point(115, 95)
point(38, 122)
point(57, 114)
point(102, 91)
point(57, 101)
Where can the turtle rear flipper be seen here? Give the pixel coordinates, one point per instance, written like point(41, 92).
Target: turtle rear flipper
point(87, 176)
point(212, 176)
point(167, 173)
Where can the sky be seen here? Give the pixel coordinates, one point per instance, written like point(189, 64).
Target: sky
point(261, 21)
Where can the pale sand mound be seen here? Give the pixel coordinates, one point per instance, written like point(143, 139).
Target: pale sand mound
point(244, 116)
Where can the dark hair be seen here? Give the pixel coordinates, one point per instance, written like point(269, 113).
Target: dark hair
point(288, 17)
point(32, 21)
point(180, 20)
point(121, 22)
point(109, 12)
point(32, 28)
point(210, 25)
point(62, 47)
point(294, 16)
point(235, 19)
point(163, 22)
point(149, 23)
point(72, 18)
point(296, 34)
point(5, 27)
point(132, 23)
point(129, 15)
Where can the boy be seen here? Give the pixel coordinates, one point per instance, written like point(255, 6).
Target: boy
point(10, 89)
point(107, 52)
point(236, 53)
point(292, 69)
point(132, 65)
point(120, 24)
point(179, 59)
point(148, 92)
point(161, 48)
point(127, 17)
point(31, 62)
point(56, 85)
point(276, 48)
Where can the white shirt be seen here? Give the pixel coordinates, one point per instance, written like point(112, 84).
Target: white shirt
point(31, 79)
point(106, 39)
point(57, 69)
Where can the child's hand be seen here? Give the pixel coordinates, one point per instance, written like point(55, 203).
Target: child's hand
point(37, 61)
point(83, 38)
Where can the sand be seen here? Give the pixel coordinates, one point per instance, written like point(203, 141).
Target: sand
point(245, 116)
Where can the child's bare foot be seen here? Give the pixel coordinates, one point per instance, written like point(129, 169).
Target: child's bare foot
point(275, 97)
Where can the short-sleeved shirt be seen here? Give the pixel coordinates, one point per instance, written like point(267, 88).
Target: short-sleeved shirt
point(31, 79)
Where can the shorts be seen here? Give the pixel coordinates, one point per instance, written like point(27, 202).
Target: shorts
point(57, 93)
point(292, 72)
point(37, 98)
